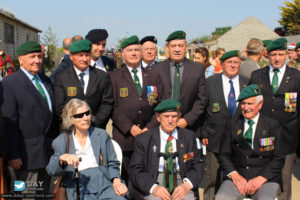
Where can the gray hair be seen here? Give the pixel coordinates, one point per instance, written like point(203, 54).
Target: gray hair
point(255, 46)
point(69, 110)
point(76, 38)
point(259, 98)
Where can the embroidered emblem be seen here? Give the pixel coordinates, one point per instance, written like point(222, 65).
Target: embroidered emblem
point(123, 92)
point(72, 91)
point(216, 107)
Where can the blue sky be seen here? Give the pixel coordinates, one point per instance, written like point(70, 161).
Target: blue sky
point(139, 17)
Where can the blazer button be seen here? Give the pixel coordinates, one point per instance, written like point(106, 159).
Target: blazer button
point(140, 98)
point(260, 157)
point(247, 157)
point(237, 145)
point(247, 168)
point(273, 109)
point(140, 112)
point(273, 97)
point(138, 125)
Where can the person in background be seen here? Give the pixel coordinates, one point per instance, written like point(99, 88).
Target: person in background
point(216, 62)
point(149, 51)
point(292, 55)
point(201, 55)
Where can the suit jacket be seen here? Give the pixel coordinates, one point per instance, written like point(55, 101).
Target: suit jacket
point(217, 111)
point(30, 125)
point(101, 144)
point(130, 108)
point(274, 105)
point(98, 94)
point(64, 64)
point(193, 96)
point(109, 64)
point(247, 67)
point(237, 155)
point(143, 167)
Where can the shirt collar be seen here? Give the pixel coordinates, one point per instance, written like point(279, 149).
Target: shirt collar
point(234, 79)
point(281, 69)
point(139, 68)
point(87, 71)
point(30, 76)
point(145, 64)
point(255, 119)
point(180, 63)
point(165, 135)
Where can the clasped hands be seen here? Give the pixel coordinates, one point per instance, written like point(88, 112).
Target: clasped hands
point(178, 194)
point(247, 187)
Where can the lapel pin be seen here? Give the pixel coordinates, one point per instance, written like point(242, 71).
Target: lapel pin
point(182, 146)
point(154, 148)
point(239, 132)
point(244, 85)
point(261, 85)
point(264, 132)
point(288, 77)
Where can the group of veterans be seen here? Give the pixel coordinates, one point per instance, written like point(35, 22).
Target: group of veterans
point(163, 115)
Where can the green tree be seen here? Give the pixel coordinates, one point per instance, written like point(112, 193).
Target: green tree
point(120, 41)
point(220, 31)
point(290, 17)
point(50, 41)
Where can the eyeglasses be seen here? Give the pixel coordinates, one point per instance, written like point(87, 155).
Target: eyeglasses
point(80, 115)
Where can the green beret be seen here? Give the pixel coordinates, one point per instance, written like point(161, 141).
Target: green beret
point(266, 42)
point(249, 91)
point(279, 44)
point(297, 46)
point(129, 41)
point(177, 35)
point(28, 47)
point(81, 46)
point(168, 105)
point(230, 54)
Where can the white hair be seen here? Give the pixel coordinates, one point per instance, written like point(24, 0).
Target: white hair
point(259, 98)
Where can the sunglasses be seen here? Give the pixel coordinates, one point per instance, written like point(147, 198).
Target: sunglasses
point(80, 115)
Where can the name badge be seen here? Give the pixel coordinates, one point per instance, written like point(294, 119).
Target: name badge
point(290, 101)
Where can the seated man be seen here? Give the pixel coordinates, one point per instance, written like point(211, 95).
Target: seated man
point(251, 151)
point(153, 171)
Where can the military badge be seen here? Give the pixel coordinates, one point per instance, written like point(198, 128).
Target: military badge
point(261, 85)
point(216, 107)
point(123, 92)
point(154, 148)
point(152, 94)
point(267, 144)
point(290, 101)
point(239, 132)
point(72, 91)
point(188, 156)
point(106, 67)
point(101, 159)
point(182, 146)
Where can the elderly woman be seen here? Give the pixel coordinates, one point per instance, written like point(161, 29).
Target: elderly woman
point(99, 167)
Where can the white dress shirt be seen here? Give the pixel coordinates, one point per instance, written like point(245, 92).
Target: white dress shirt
point(86, 77)
point(31, 78)
point(87, 155)
point(226, 87)
point(99, 64)
point(138, 73)
point(279, 74)
point(145, 64)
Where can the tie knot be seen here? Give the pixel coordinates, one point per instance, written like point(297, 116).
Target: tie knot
point(230, 81)
point(275, 71)
point(250, 122)
point(81, 74)
point(170, 138)
point(35, 78)
point(177, 65)
point(134, 71)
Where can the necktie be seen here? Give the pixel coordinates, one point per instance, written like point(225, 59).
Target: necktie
point(168, 150)
point(148, 66)
point(231, 99)
point(176, 86)
point(40, 89)
point(81, 75)
point(275, 81)
point(137, 82)
point(249, 133)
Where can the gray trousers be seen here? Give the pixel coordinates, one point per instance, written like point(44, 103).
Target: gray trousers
point(287, 171)
point(189, 196)
point(210, 176)
point(268, 191)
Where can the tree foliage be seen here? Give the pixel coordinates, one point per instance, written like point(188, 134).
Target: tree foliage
point(290, 17)
point(220, 31)
point(120, 41)
point(50, 41)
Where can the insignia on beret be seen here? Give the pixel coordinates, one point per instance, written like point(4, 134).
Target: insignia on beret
point(167, 106)
point(256, 90)
point(249, 91)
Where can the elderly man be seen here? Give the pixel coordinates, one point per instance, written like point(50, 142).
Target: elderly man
point(27, 110)
point(166, 161)
point(149, 51)
point(280, 87)
point(184, 81)
point(137, 91)
point(84, 82)
point(98, 38)
point(66, 46)
point(255, 50)
point(251, 153)
point(223, 90)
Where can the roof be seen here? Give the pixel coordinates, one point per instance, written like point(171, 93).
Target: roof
point(12, 17)
point(238, 36)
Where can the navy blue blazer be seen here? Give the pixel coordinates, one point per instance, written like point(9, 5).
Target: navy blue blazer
point(30, 125)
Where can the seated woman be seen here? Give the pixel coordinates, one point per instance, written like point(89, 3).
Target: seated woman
point(99, 167)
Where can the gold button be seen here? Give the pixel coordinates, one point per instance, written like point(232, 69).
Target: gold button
point(247, 168)
point(140, 112)
point(140, 98)
point(273, 109)
point(247, 157)
point(237, 145)
point(138, 125)
point(260, 157)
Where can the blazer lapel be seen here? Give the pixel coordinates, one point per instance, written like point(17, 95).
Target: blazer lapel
point(265, 78)
point(166, 72)
point(259, 132)
point(75, 80)
point(145, 81)
point(220, 92)
point(186, 72)
point(180, 144)
point(128, 77)
point(285, 81)
point(155, 150)
point(95, 143)
point(92, 80)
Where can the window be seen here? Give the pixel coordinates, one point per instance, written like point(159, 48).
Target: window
point(8, 33)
